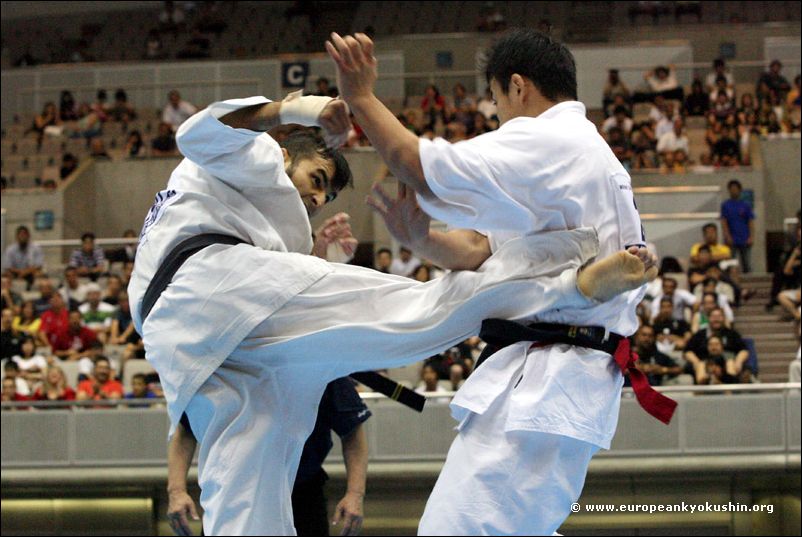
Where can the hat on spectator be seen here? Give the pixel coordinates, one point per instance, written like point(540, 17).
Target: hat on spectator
point(92, 287)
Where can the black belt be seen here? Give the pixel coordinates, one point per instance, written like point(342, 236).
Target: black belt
point(193, 245)
point(499, 333)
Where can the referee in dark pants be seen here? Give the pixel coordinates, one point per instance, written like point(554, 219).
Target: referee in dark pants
point(341, 410)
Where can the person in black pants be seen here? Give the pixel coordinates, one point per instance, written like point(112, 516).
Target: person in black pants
point(341, 410)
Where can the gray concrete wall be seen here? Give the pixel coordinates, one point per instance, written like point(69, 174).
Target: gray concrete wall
point(781, 158)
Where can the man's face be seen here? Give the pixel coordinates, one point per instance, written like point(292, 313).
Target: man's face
point(88, 245)
point(139, 387)
point(93, 297)
point(9, 388)
point(71, 277)
point(644, 338)
point(716, 320)
point(57, 302)
point(669, 286)
point(708, 303)
point(174, 98)
point(430, 376)
point(705, 257)
point(383, 260)
point(714, 347)
point(666, 310)
point(75, 321)
point(45, 288)
point(711, 235)
point(405, 255)
point(312, 179)
point(735, 192)
point(23, 237)
point(102, 371)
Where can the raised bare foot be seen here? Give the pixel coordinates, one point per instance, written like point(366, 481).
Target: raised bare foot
point(617, 273)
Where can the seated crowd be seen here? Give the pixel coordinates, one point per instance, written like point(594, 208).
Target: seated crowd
point(660, 141)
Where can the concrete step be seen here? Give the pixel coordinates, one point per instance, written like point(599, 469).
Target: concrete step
point(757, 277)
point(756, 329)
point(773, 377)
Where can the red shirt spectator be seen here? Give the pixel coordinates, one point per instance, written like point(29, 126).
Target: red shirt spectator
point(55, 321)
point(102, 385)
point(75, 341)
point(10, 391)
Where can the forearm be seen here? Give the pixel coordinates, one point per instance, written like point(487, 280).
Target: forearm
point(396, 144)
point(259, 117)
point(355, 453)
point(459, 249)
point(179, 458)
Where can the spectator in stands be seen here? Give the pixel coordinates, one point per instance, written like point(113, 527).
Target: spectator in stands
point(657, 366)
point(661, 81)
point(54, 387)
point(773, 125)
point(384, 260)
point(11, 392)
point(124, 253)
point(28, 323)
point(154, 49)
point(487, 105)
point(479, 125)
point(68, 108)
point(747, 104)
point(618, 100)
point(774, 81)
point(32, 365)
point(696, 350)
point(721, 105)
point(68, 165)
point(680, 299)
point(89, 124)
point(738, 224)
point(48, 118)
point(421, 273)
point(644, 144)
point(73, 291)
point(716, 364)
point(433, 104)
point(97, 315)
point(164, 144)
point(139, 390)
point(672, 334)
point(701, 319)
point(121, 110)
point(462, 105)
point(134, 145)
point(719, 71)
point(100, 107)
point(11, 339)
point(405, 263)
point(619, 143)
point(787, 275)
point(101, 384)
point(716, 282)
point(46, 292)
point(790, 301)
point(24, 259)
point(176, 111)
point(124, 333)
point(69, 340)
point(97, 149)
point(10, 298)
point(792, 102)
point(718, 251)
point(719, 88)
point(114, 287)
point(727, 150)
point(697, 103)
point(11, 370)
point(614, 87)
point(90, 260)
point(618, 119)
point(323, 88)
point(674, 140)
point(430, 380)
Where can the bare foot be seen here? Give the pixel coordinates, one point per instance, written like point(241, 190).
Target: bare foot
point(617, 273)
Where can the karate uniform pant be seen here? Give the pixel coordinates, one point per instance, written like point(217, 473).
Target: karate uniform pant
point(253, 415)
point(498, 482)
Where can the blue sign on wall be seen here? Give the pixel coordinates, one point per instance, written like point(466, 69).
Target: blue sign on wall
point(293, 74)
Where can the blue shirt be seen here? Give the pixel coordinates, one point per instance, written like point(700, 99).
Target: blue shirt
point(341, 410)
point(738, 213)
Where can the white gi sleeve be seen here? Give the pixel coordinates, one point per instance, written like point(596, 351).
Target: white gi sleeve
point(463, 181)
point(240, 157)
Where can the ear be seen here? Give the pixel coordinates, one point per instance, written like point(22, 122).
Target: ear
point(517, 85)
point(287, 158)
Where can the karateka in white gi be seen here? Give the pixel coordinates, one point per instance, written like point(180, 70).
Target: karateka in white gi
point(246, 337)
point(530, 419)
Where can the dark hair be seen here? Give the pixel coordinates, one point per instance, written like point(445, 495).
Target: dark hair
point(139, 376)
point(666, 280)
point(718, 62)
point(660, 68)
point(11, 364)
point(666, 300)
point(735, 182)
point(101, 95)
point(721, 78)
point(709, 225)
point(120, 95)
point(22, 228)
point(708, 281)
point(404, 249)
point(384, 251)
point(102, 358)
point(305, 144)
point(619, 110)
point(714, 295)
point(532, 54)
point(87, 235)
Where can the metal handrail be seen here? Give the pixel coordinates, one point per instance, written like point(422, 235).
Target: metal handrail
point(152, 402)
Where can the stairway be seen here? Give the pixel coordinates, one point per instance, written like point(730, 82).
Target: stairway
point(775, 339)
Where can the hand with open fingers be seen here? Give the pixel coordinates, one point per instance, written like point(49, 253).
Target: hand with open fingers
point(336, 229)
point(335, 121)
point(405, 220)
point(179, 509)
point(356, 65)
point(349, 513)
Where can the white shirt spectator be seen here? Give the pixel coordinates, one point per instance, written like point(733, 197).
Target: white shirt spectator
point(714, 95)
point(176, 115)
point(611, 122)
point(682, 299)
point(78, 294)
point(671, 142)
point(663, 126)
point(669, 83)
point(710, 79)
